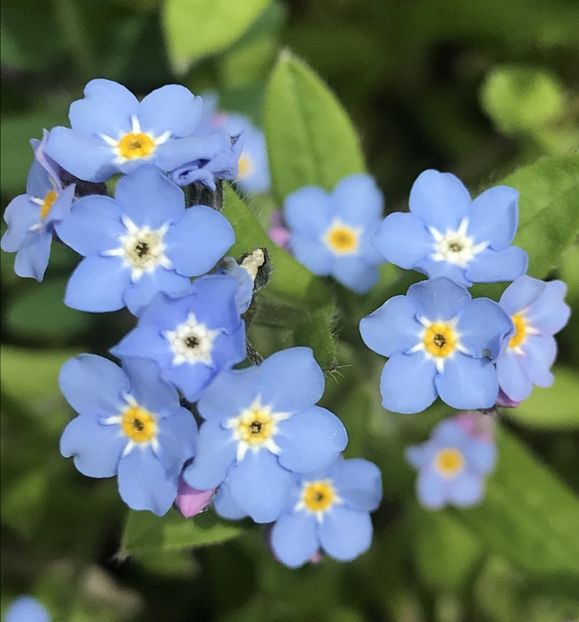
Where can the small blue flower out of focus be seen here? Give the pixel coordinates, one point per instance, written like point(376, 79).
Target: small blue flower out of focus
point(112, 132)
point(26, 609)
point(261, 425)
point(130, 424)
point(193, 337)
point(330, 232)
point(439, 342)
point(448, 234)
point(538, 311)
point(139, 244)
point(329, 510)
point(31, 217)
point(452, 465)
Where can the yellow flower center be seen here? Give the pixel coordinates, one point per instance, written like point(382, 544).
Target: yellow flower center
point(520, 330)
point(318, 496)
point(139, 424)
point(342, 239)
point(49, 199)
point(440, 339)
point(255, 426)
point(245, 166)
point(449, 462)
point(132, 146)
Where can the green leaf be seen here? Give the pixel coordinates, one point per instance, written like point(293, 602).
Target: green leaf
point(198, 28)
point(552, 408)
point(522, 99)
point(146, 533)
point(309, 136)
point(528, 515)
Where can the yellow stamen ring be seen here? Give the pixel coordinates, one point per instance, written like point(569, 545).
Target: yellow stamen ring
point(521, 330)
point(139, 424)
point(319, 496)
point(49, 200)
point(342, 239)
point(136, 145)
point(449, 462)
point(255, 426)
point(440, 339)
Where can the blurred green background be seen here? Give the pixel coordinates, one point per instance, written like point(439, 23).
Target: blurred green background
point(476, 87)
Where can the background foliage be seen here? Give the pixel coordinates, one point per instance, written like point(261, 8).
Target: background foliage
point(482, 88)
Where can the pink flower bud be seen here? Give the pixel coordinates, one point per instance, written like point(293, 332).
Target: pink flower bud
point(505, 401)
point(191, 501)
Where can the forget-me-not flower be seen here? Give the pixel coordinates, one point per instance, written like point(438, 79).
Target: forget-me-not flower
point(130, 424)
point(439, 342)
point(192, 337)
point(261, 425)
point(329, 510)
point(538, 311)
point(112, 132)
point(31, 217)
point(330, 232)
point(27, 609)
point(448, 234)
point(140, 243)
point(452, 465)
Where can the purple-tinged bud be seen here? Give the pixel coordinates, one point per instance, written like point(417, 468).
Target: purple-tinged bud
point(191, 501)
point(504, 401)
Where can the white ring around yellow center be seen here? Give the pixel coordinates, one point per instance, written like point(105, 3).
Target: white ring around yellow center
point(342, 239)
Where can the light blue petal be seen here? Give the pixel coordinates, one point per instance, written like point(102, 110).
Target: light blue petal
point(148, 198)
point(403, 239)
point(229, 394)
point(254, 148)
point(491, 266)
point(392, 327)
point(310, 440)
point(86, 157)
point(431, 489)
point(225, 505)
point(216, 450)
point(481, 455)
point(441, 199)
point(512, 379)
point(93, 385)
point(312, 253)
point(171, 108)
point(356, 273)
point(549, 313)
point(214, 302)
point(483, 327)
point(466, 490)
point(26, 609)
point(260, 486)
point(344, 533)
point(106, 109)
point(198, 240)
point(138, 295)
point(435, 269)
point(20, 215)
point(521, 294)
point(420, 455)
point(229, 349)
point(144, 484)
point(359, 483)
point(291, 380)
point(93, 225)
point(180, 151)
point(146, 342)
point(190, 379)
point(96, 448)
point(309, 211)
point(494, 216)
point(294, 538)
point(147, 386)
point(539, 355)
point(38, 181)
point(167, 312)
point(449, 432)
point(177, 438)
point(98, 284)
point(439, 299)
point(33, 255)
point(407, 383)
point(358, 201)
point(61, 206)
point(468, 383)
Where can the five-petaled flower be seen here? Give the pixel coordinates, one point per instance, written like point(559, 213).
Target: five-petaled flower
point(261, 424)
point(330, 232)
point(328, 509)
point(192, 337)
point(538, 311)
point(32, 217)
point(448, 234)
point(439, 342)
point(139, 244)
point(452, 465)
point(130, 424)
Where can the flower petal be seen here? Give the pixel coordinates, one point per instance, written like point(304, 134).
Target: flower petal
point(431, 489)
point(407, 383)
point(494, 217)
point(20, 215)
point(147, 386)
point(438, 299)
point(481, 455)
point(358, 201)
point(466, 490)
point(359, 483)
point(172, 108)
point(403, 239)
point(180, 151)
point(521, 293)
point(294, 538)
point(33, 255)
point(312, 253)
point(344, 533)
point(468, 383)
point(308, 211)
point(356, 273)
point(483, 327)
point(491, 266)
point(539, 355)
point(512, 379)
point(190, 378)
point(146, 342)
point(225, 504)
point(549, 313)
point(177, 438)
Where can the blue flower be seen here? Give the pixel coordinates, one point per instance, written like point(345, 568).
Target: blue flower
point(329, 509)
point(141, 243)
point(440, 343)
point(452, 466)
point(448, 234)
point(193, 337)
point(130, 424)
point(27, 609)
point(245, 274)
point(538, 312)
point(112, 132)
point(330, 232)
point(261, 425)
point(31, 217)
